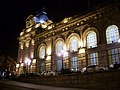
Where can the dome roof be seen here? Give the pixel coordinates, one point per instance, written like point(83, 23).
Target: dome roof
point(41, 18)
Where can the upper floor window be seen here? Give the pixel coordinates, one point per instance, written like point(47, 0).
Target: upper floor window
point(59, 47)
point(42, 52)
point(91, 40)
point(73, 44)
point(112, 34)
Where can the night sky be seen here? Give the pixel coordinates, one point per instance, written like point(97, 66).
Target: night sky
point(14, 12)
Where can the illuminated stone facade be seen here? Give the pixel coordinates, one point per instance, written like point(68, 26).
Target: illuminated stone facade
point(75, 42)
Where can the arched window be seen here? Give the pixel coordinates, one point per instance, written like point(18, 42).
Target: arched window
point(112, 34)
point(91, 40)
point(42, 52)
point(59, 47)
point(73, 44)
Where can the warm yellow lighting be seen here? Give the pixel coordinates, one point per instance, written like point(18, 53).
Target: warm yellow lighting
point(44, 26)
point(81, 43)
point(32, 54)
point(48, 51)
point(17, 65)
point(78, 24)
point(34, 61)
point(65, 20)
point(28, 30)
point(63, 29)
point(21, 65)
point(49, 27)
point(66, 28)
point(47, 63)
point(37, 25)
point(27, 61)
point(20, 61)
point(21, 46)
point(48, 58)
point(32, 42)
point(27, 44)
point(82, 50)
point(49, 22)
point(81, 22)
point(21, 33)
point(65, 54)
point(64, 47)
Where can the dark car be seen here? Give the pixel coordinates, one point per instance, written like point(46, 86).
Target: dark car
point(66, 71)
point(115, 66)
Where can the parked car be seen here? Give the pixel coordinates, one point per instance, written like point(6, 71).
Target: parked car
point(66, 71)
point(47, 73)
point(93, 68)
point(114, 66)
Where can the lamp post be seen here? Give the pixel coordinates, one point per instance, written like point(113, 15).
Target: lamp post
point(27, 62)
point(63, 54)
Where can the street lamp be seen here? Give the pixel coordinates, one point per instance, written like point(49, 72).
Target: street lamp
point(17, 68)
point(62, 54)
point(27, 62)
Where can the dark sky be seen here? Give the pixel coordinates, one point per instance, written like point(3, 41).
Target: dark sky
point(14, 12)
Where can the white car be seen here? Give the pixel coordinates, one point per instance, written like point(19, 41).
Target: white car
point(114, 66)
point(93, 68)
point(48, 73)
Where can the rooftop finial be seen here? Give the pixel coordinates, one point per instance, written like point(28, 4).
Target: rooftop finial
point(43, 10)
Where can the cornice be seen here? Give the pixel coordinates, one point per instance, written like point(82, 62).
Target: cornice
point(78, 20)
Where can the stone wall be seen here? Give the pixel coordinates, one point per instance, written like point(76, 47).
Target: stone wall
point(98, 81)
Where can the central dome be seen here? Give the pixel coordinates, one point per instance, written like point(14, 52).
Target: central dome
point(41, 18)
